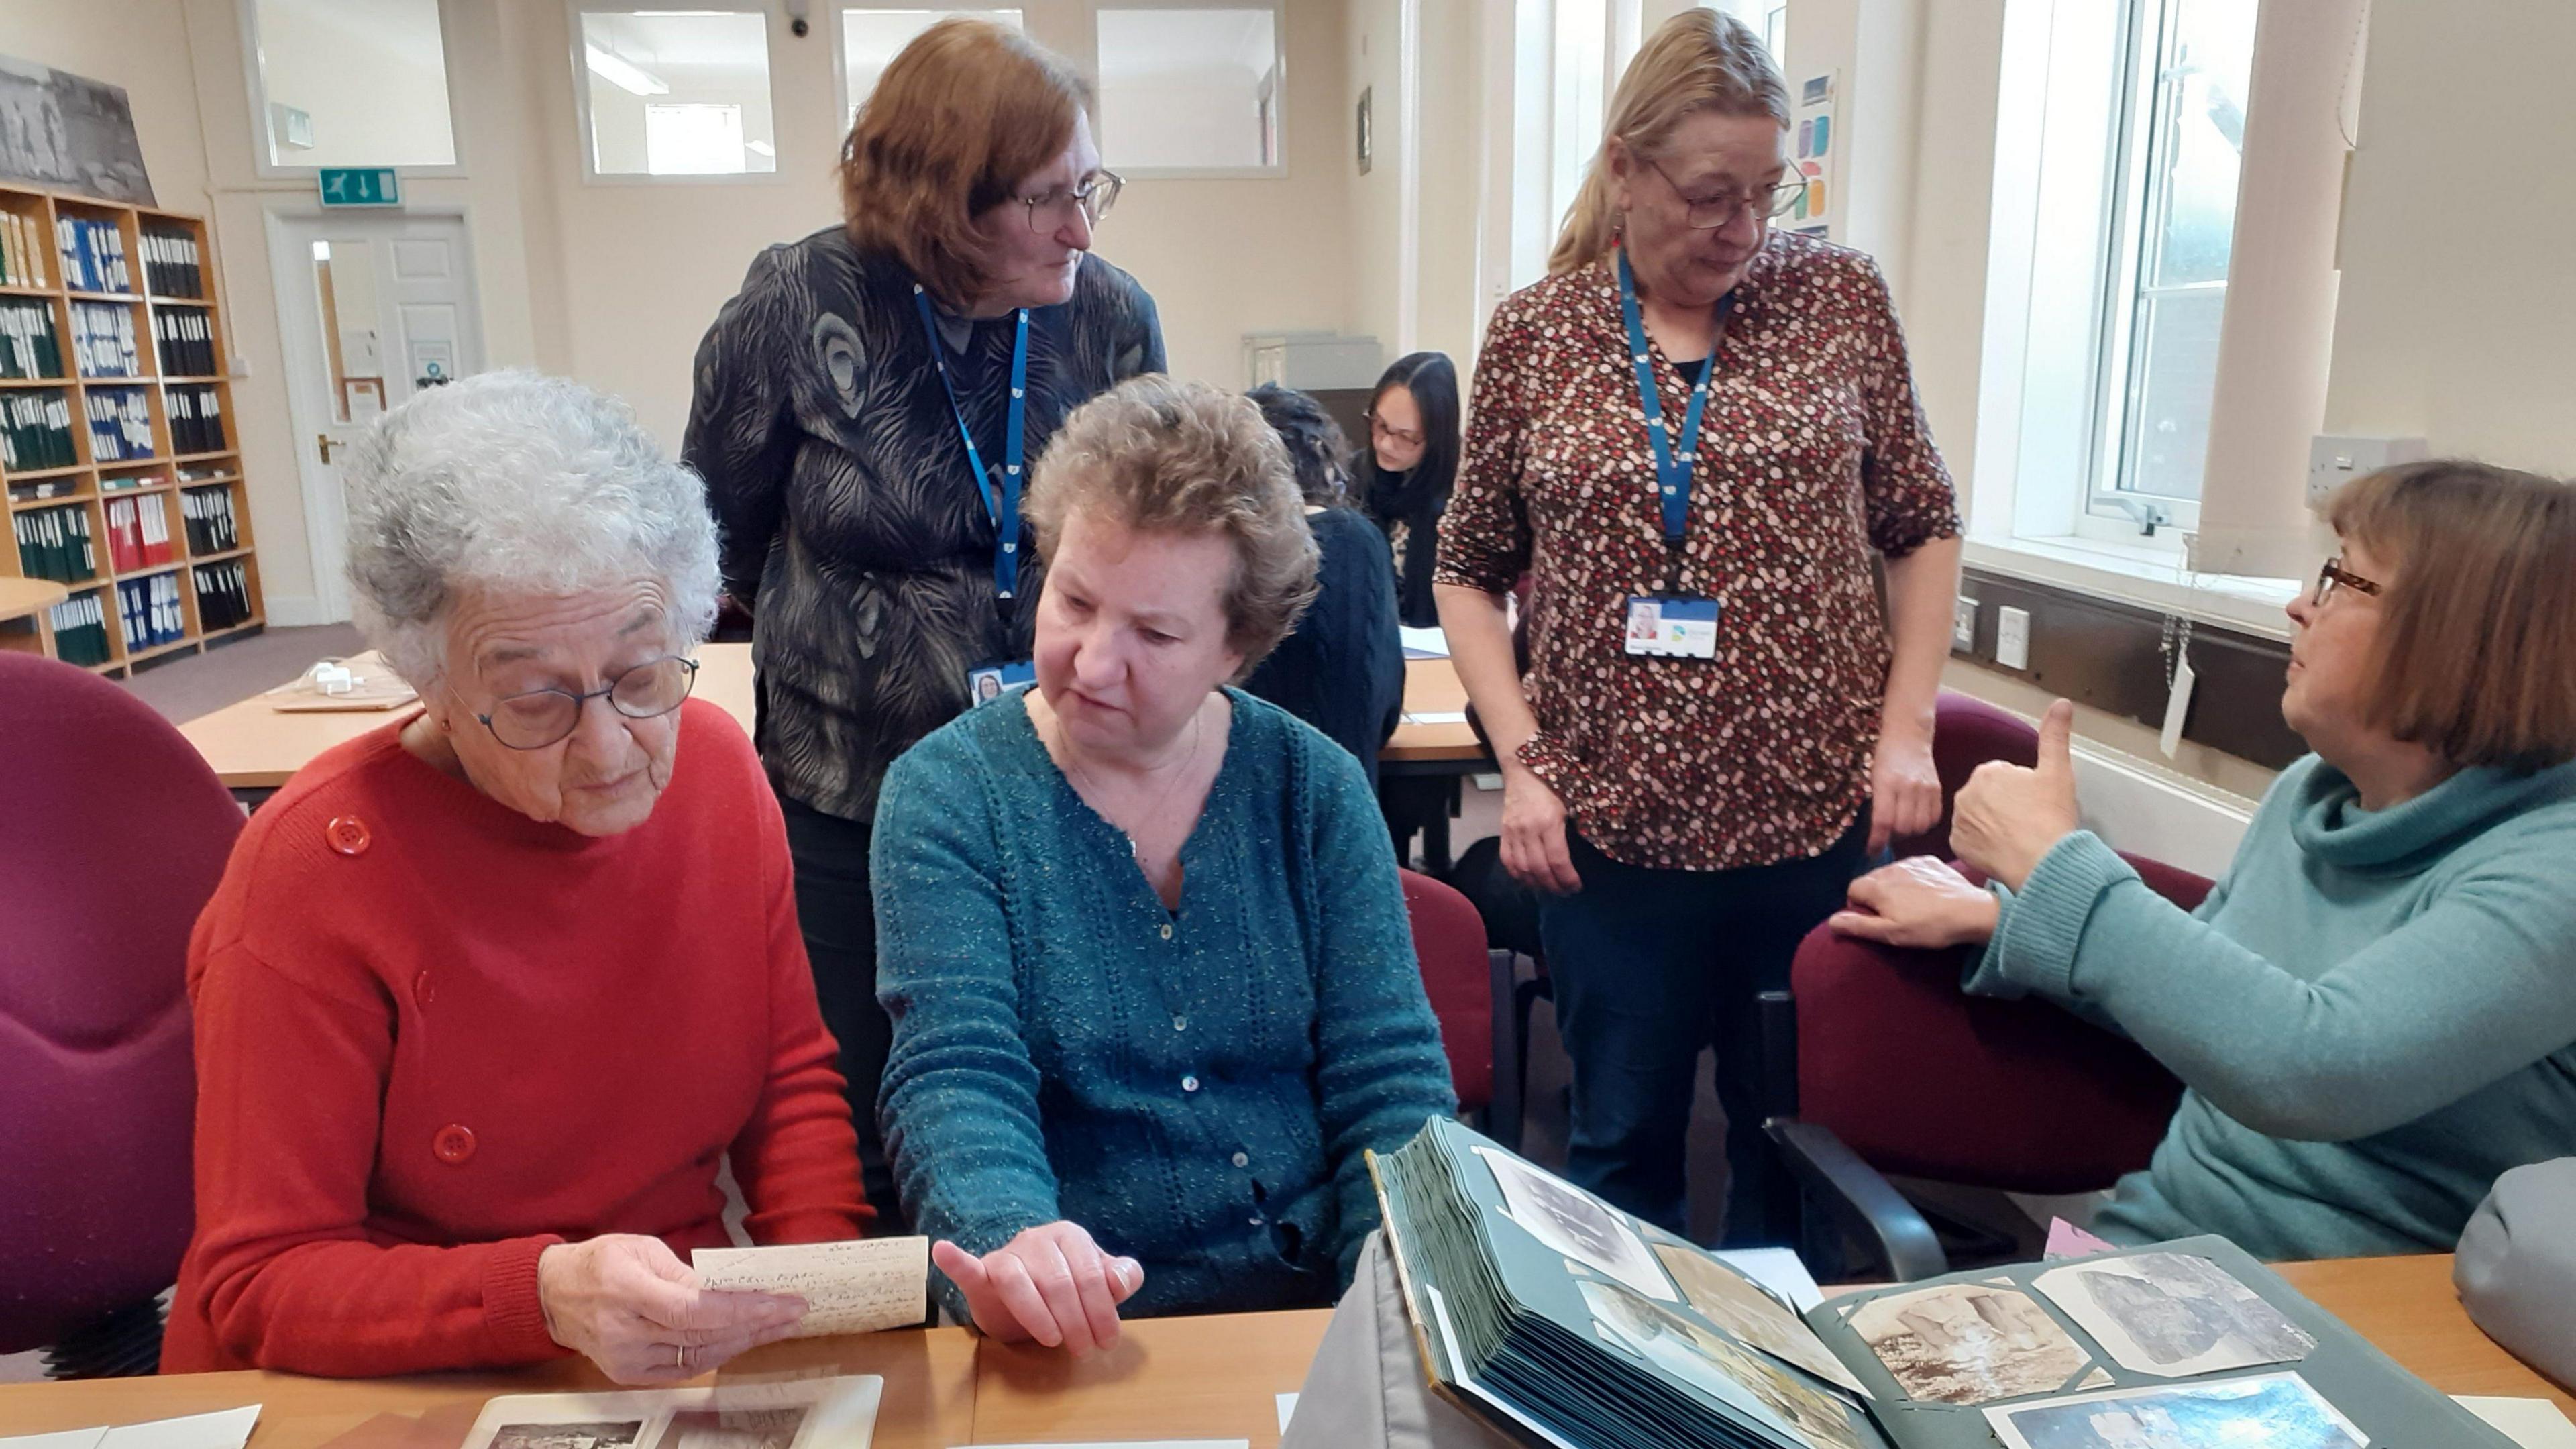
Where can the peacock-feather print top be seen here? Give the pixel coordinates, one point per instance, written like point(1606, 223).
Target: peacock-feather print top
point(853, 526)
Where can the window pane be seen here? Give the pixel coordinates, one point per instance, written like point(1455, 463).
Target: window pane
point(354, 83)
point(2204, 138)
point(1189, 89)
point(872, 38)
point(678, 93)
point(2178, 356)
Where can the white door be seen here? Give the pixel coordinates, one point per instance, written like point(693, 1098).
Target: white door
point(371, 309)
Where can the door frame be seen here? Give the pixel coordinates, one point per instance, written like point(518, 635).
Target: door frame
point(291, 270)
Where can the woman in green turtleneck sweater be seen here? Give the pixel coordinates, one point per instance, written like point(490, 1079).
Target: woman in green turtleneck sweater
point(2375, 1011)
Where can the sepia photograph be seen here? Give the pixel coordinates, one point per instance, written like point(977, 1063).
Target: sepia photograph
point(732, 1429)
point(1717, 1368)
point(1968, 1343)
point(617, 1435)
point(1738, 1305)
point(2173, 1315)
point(2271, 1411)
point(1575, 1223)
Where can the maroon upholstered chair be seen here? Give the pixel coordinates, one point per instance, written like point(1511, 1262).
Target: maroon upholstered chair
point(1464, 979)
point(116, 832)
point(1898, 1071)
point(1966, 733)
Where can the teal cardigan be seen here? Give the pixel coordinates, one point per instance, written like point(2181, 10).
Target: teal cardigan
point(1195, 1087)
point(2374, 1012)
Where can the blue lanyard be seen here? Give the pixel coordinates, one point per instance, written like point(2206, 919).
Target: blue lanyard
point(1672, 470)
point(1005, 508)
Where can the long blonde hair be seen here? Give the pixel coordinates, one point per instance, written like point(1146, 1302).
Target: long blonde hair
point(1698, 60)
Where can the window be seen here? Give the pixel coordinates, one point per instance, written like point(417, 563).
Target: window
point(872, 37)
point(2116, 184)
point(676, 93)
point(1191, 90)
point(350, 83)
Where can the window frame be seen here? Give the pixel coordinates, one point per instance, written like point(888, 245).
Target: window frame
point(591, 175)
point(1282, 112)
point(263, 164)
point(841, 102)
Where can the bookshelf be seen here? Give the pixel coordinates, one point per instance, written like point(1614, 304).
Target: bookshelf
point(120, 473)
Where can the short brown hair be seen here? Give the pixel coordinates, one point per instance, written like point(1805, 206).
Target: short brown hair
point(964, 113)
point(1182, 457)
point(2477, 654)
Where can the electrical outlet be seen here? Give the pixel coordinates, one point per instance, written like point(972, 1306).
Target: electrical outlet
point(2012, 638)
point(1963, 625)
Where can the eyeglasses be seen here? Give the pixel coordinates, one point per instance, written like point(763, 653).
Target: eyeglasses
point(1379, 429)
point(540, 717)
point(1092, 198)
point(1708, 213)
point(2335, 574)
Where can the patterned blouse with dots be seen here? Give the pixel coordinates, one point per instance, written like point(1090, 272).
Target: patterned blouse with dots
point(1813, 452)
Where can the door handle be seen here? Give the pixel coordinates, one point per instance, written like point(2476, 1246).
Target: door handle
point(323, 441)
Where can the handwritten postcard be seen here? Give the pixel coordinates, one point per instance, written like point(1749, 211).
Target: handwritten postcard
point(859, 1286)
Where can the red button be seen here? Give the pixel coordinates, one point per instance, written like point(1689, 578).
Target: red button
point(348, 835)
point(423, 989)
point(453, 1144)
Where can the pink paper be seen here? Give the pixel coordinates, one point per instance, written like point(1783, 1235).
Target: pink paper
point(2065, 1240)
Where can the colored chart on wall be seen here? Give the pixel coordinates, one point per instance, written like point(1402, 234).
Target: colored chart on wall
point(1815, 154)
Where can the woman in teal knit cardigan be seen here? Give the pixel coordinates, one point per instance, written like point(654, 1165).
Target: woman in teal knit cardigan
point(1141, 936)
point(2375, 1011)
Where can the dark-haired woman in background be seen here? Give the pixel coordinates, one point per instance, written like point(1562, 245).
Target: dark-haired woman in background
point(1342, 671)
point(1411, 461)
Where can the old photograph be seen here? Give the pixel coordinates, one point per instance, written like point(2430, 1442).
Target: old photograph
point(1736, 1304)
point(735, 1429)
point(2271, 1411)
point(67, 131)
point(2173, 1314)
point(1578, 1225)
point(1717, 1368)
point(1968, 1343)
point(619, 1434)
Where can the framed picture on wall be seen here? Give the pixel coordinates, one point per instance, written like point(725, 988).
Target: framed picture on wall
point(1368, 139)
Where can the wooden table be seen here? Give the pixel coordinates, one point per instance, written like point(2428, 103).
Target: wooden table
point(255, 748)
point(1184, 1378)
point(20, 597)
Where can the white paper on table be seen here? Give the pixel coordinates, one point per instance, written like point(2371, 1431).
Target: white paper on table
point(1436, 717)
point(223, 1429)
point(858, 1286)
point(1132, 1444)
point(1427, 643)
point(2531, 1423)
point(1778, 1269)
point(1287, 1410)
point(64, 1439)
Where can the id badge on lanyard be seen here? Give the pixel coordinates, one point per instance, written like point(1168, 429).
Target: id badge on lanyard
point(1670, 624)
point(1000, 489)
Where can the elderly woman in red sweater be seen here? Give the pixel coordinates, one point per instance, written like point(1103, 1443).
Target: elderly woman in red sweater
point(488, 995)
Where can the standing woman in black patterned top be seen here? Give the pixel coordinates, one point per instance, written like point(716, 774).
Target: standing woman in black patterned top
point(1697, 434)
point(862, 415)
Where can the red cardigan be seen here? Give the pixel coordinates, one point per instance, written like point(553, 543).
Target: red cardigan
point(434, 1037)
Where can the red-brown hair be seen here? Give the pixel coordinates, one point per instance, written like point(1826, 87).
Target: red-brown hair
point(2477, 656)
point(965, 113)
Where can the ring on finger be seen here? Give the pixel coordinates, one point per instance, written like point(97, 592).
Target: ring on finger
point(679, 1356)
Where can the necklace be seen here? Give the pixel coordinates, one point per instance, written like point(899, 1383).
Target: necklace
point(1179, 773)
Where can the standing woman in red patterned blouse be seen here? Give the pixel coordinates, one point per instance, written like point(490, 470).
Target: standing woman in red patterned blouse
point(1694, 433)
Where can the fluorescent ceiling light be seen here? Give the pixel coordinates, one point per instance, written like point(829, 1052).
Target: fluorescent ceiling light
point(619, 72)
point(762, 147)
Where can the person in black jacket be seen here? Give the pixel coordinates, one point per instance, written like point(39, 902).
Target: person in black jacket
point(862, 434)
point(1411, 461)
point(1342, 671)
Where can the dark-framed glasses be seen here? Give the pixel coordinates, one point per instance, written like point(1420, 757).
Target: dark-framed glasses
point(2334, 576)
point(1708, 213)
point(1379, 428)
point(1092, 198)
point(540, 717)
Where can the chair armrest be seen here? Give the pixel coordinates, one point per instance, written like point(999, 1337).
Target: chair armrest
point(1860, 1201)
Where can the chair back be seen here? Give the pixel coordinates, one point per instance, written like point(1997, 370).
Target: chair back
point(1966, 733)
point(117, 833)
point(1449, 941)
point(1922, 1080)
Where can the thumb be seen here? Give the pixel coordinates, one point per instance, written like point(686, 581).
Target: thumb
point(2057, 740)
point(1127, 1275)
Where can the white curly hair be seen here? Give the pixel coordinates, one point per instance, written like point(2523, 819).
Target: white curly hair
point(516, 482)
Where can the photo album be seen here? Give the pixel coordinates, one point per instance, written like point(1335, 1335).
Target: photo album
point(794, 1413)
point(1565, 1322)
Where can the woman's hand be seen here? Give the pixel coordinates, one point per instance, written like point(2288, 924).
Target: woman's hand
point(1052, 1283)
point(2007, 817)
point(1904, 789)
point(1918, 902)
point(1534, 833)
point(628, 1305)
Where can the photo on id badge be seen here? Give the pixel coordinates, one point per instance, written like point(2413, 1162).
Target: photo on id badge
point(1672, 627)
